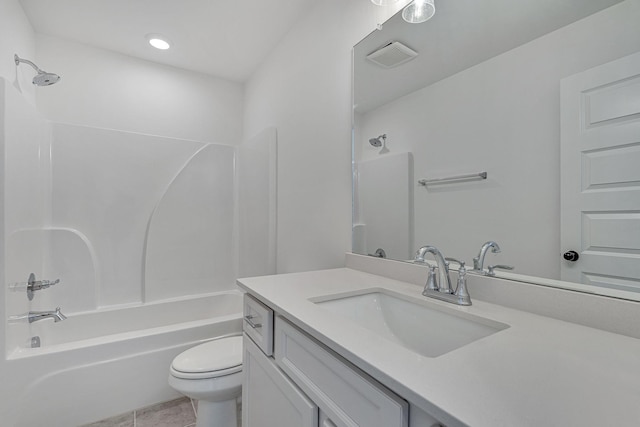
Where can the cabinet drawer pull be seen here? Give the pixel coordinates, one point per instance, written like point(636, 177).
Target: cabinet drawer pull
point(249, 318)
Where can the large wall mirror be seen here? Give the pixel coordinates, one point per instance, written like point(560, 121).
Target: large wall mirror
point(541, 96)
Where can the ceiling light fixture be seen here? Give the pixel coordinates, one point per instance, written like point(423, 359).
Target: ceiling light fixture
point(419, 11)
point(383, 2)
point(158, 41)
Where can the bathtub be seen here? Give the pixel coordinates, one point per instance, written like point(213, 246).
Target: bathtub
point(106, 362)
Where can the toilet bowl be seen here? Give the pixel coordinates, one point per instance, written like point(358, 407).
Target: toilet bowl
point(212, 374)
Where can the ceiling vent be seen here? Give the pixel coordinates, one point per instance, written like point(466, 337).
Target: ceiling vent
point(392, 55)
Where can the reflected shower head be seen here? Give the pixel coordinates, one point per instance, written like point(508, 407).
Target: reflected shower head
point(42, 78)
point(377, 142)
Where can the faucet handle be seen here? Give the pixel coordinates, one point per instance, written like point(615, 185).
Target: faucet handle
point(461, 263)
point(34, 285)
point(491, 269)
point(432, 282)
point(461, 290)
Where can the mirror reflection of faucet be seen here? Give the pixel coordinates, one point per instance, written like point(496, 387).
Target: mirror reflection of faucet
point(491, 269)
point(380, 253)
point(478, 262)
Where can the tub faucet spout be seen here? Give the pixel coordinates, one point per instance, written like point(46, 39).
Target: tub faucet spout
point(56, 315)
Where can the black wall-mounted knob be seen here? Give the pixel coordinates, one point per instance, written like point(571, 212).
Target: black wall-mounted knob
point(571, 256)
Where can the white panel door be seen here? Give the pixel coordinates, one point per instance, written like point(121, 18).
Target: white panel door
point(600, 160)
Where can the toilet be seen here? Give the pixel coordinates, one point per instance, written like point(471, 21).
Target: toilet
point(211, 373)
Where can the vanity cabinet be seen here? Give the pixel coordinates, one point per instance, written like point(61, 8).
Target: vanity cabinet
point(301, 383)
point(269, 398)
point(346, 396)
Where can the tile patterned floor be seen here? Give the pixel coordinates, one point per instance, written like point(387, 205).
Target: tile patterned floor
point(176, 413)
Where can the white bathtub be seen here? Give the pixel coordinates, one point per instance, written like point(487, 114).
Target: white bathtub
point(98, 364)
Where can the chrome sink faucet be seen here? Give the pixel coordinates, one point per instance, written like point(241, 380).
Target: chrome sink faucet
point(56, 315)
point(441, 289)
point(444, 284)
point(478, 262)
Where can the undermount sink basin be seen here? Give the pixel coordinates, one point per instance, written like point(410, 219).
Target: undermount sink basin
point(420, 326)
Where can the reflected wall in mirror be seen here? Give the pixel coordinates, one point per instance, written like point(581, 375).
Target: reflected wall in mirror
point(484, 94)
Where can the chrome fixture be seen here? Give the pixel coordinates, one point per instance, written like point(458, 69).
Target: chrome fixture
point(379, 141)
point(35, 342)
point(444, 283)
point(379, 253)
point(383, 2)
point(478, 262)
point(416, 12)
point(37, 285)
point(56, 315)
point(457, 178)
point(491, 269)
point(443, 291)
point(419, 11)
point(42, 78)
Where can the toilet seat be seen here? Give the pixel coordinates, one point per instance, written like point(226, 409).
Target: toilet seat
point(216, 358)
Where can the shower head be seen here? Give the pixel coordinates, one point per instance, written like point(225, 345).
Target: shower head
point(378, 142)
point(42, 78)
point(45, 79)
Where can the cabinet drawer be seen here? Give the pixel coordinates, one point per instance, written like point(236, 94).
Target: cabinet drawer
point(347, 396)
point(258, 323)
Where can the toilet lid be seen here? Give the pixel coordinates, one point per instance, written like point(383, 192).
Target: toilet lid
point(218, 357)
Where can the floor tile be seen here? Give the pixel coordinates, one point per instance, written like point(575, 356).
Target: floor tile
point(124, 420)
point(177, 413)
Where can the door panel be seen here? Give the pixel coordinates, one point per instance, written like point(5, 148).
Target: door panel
point(268, 397)
point(600, 189)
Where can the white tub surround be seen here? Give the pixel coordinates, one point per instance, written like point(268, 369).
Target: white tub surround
point(101, 363)
point(538, 371)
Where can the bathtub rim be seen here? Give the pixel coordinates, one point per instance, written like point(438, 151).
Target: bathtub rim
point(23, 352)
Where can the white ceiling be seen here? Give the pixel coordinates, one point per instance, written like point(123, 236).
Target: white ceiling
point(461, 34)
point(224, 38)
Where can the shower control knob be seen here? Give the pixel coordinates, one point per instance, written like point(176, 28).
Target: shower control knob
point(571, 256)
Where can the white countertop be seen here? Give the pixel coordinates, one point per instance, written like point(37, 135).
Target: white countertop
point(538, 372)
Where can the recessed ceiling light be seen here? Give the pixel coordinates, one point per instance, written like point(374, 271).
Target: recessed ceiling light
point(158, 41)
point(419, 11)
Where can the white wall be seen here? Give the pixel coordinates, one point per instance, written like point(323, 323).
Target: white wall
point(104, 89)
point(16, 37)
point(256, 169)
point(304, 90)
point(501, 116)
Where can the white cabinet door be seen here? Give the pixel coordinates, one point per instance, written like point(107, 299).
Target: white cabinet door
point(600, 154)
point(325, 421)
point(347, 396)
point(269, 398)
